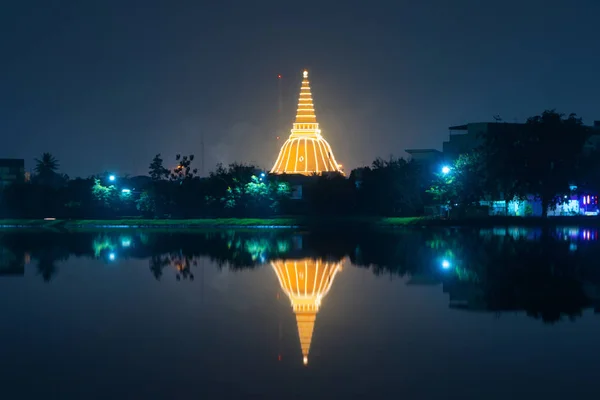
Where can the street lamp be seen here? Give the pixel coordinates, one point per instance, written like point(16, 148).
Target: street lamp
point(445, 170)
point(111, 178)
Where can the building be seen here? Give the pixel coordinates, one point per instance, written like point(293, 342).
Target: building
point(465, 138)
point(12, 170)
point(306, 282)
point(305, 152)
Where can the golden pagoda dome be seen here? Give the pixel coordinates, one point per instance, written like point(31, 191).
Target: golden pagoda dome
point(305, 152)
point(306, 282)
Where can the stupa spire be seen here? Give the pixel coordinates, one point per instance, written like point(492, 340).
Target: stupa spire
point(305, 152)
point(306, 108)
point(306, 326)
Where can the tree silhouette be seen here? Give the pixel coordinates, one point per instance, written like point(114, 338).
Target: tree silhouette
point(183, 171)
point(156, 170)
point(540, 158)
point(48, 164)
point(45, 170)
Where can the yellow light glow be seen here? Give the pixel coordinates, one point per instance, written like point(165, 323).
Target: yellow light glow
point(305, 151)
point(306, 282)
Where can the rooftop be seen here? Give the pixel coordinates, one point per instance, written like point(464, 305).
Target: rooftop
point(12, 162)
point(422, 151)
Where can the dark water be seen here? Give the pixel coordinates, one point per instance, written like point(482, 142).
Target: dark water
point(422, 314)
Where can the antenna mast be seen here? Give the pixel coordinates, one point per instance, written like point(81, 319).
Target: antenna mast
point(280, 104)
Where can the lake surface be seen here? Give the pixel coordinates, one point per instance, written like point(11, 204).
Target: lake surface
point(412, 314)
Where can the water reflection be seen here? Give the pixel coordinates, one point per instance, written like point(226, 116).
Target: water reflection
point(135, 302)
point(180, 263)
point(549, 274)
point(306, 282)
point(10, 263)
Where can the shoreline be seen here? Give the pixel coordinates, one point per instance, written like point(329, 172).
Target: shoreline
point(295, 223)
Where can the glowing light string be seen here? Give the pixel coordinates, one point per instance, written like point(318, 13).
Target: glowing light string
point(305, 151)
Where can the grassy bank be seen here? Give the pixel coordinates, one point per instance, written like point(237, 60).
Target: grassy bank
point(291, 222)
point(295, 222)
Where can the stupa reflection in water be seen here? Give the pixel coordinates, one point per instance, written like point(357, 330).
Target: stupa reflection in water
point(306, 282)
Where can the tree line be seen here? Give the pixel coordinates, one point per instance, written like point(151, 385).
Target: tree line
point(388, 187)
point(547, 157)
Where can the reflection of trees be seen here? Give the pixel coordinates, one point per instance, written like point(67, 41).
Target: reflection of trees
point(157, 264)
point(182, 265)
point(534, 271)
point(45, 248)
point(495, 270)
point(543, 277)
point(47, 259)
point(47, 268)
point(389, 253)
point(11, 263)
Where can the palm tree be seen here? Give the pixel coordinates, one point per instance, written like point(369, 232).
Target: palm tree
point(48, 165)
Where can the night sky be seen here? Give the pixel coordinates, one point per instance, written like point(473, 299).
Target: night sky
point(105, 85)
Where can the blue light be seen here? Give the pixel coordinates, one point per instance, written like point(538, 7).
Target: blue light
point(445, 169)
point(126, 242)
point(572, 247)
point(111, 256)
point(445, 264)
point(126, 191)
point(262, 174)
point(112, 178)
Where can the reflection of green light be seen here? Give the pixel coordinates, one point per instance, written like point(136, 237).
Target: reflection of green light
point(465, 274)
point(450, 263)
point(261, 245)
point(144, 239)
point(102, 243)
point(125, 241)
point(283, 246)
point(449, 255)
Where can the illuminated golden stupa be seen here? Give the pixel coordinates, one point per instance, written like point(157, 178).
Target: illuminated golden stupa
point(306, 282)
point(305, 152)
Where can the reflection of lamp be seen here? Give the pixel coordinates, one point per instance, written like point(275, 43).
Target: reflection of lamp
point(306, 282)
